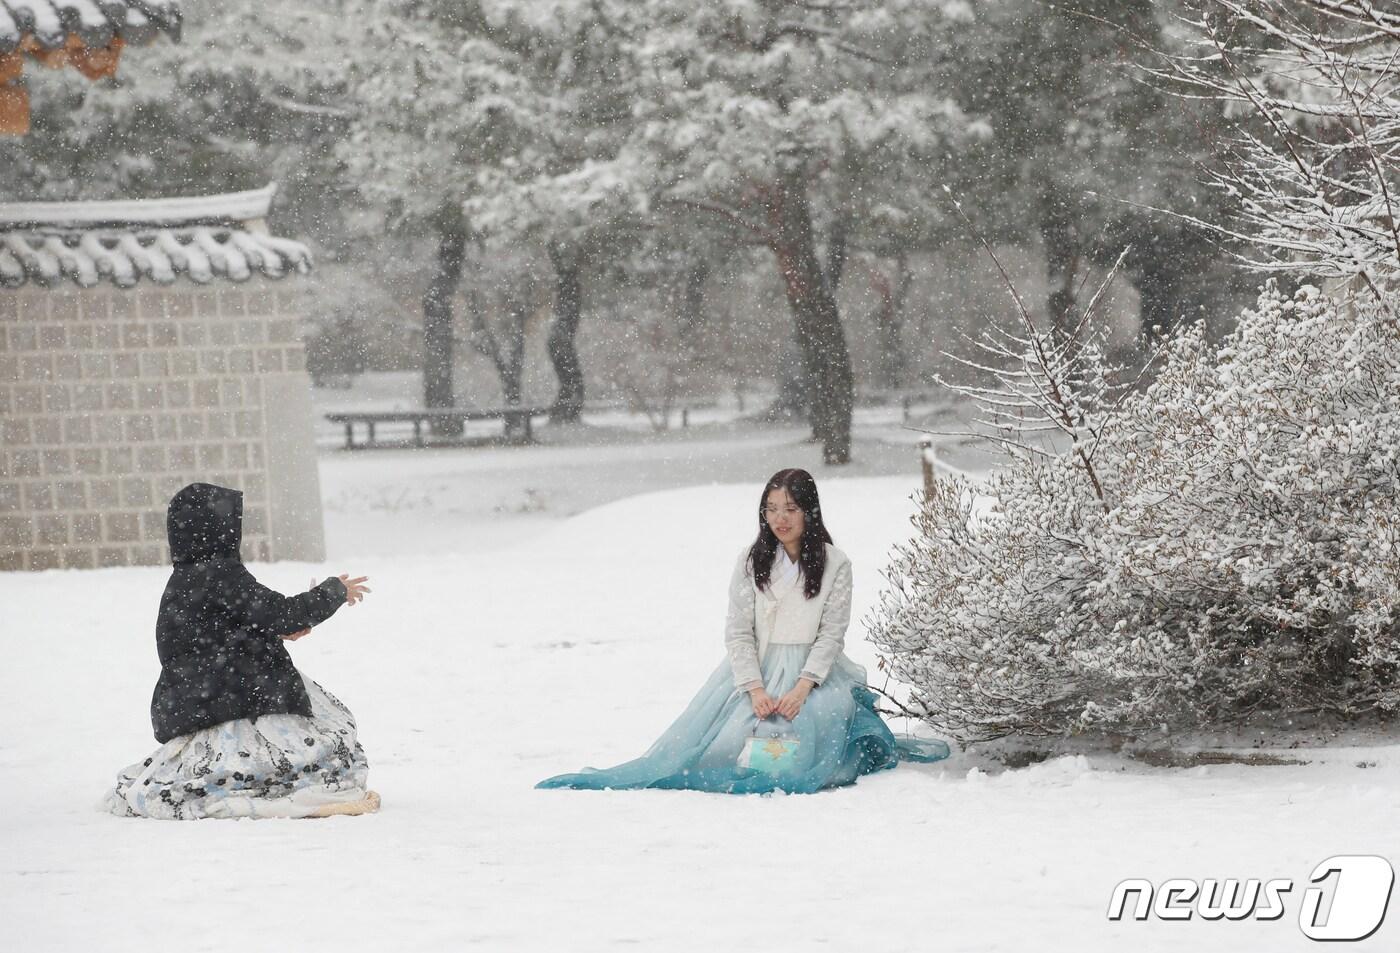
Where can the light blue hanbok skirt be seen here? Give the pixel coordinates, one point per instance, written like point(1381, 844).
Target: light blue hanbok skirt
point(840, 736)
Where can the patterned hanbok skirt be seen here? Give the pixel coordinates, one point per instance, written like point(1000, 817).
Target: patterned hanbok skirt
point(840, 736)
point(274, 766)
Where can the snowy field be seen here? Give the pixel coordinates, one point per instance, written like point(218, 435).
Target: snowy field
point(538, 610)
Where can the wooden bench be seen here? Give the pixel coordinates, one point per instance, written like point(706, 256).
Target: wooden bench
point(517, 420)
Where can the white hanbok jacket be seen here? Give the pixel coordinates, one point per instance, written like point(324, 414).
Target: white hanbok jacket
point(783, 615)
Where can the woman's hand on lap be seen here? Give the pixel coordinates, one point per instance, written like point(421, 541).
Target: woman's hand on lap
point(763, 703)
point(791, 703)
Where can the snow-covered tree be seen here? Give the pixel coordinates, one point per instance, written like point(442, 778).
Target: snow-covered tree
point(1226, 540)
point(256, 92)
point(430, 103)
point(488, 121)
point(251, 94)
point(1082, 149)
point(800, 126)
point(1316, 89)
point(503, 301)
point(564, 192)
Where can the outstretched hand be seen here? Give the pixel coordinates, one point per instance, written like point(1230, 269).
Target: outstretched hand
point(355, 589)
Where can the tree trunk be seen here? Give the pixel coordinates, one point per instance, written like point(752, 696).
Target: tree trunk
point(512, 365)
point(903, 281)
point(1171, 268)
point(889, 317)
point(794, 400)
point(1157, 295)
point(1059, 232)
point(437, 316)
point(692, 308)
point(820, 337)
point(508, 360)
point(563, 353)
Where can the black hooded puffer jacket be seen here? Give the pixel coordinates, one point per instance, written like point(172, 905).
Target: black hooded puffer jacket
point(219, 633)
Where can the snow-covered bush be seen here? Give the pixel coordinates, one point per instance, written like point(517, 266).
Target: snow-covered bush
point(1225, 541)
point(1237, 549)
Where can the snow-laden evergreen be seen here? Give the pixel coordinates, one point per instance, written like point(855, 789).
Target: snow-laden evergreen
point(803, 128)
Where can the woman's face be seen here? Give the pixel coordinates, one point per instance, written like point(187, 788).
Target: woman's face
point(784, 517)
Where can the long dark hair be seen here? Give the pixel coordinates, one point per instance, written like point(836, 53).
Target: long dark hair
point(812, 560)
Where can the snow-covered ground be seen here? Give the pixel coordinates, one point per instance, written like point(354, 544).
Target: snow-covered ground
point(541, 609)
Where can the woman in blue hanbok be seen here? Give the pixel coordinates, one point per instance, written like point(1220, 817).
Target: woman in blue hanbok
point(786, 682)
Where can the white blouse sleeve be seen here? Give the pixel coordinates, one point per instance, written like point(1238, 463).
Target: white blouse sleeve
point(740, 639)
point(831, 630)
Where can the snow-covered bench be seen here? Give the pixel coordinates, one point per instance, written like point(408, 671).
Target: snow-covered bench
point(517, 421)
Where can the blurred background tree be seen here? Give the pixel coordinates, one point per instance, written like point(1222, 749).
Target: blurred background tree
point(635, 148)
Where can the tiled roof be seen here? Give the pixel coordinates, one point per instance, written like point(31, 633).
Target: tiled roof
point(94, 22)
point(163, 240)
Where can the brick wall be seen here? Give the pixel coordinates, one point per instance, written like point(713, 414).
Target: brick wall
point(112, 400)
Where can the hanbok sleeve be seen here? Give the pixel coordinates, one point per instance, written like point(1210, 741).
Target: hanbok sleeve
point(740, 639)
point(831, 630)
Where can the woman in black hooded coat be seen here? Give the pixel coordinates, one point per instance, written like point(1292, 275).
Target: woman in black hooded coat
point(242, 732)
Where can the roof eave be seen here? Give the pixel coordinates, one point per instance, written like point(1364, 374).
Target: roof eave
point(164, 213)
